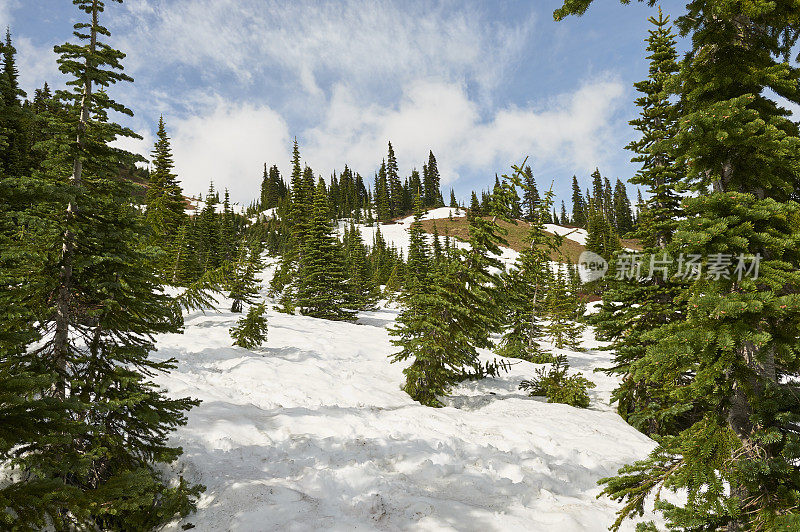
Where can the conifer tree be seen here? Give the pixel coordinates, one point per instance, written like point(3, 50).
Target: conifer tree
point(362, 289)
point(526, 287)
point(578, 205)
point(562, 313)
point(738, 460)
point(474, 205)
point(243, 285)
point(250, 332)
point(382, 194)
point(530, 195)
point(453, 200)
point(623, 216)
point(433, 194)
point(634, 308)
point(393, 181)
point(14, 155)
point(104, 306)
point(164, 197)
point(322, 290)
point(601, 237)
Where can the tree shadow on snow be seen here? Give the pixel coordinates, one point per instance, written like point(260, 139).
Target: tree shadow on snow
point(309, 482)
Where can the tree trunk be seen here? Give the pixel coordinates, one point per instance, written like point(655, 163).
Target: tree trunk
point(64, 296)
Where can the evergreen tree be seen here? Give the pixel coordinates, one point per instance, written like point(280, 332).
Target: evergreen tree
point(578, 205)
point(243, 285)
point(562, 312)
point(164, 198)
point(564, 216)
point(623, 216)
point(103, 307)
point(433, 194)
point(633, 308)
point(322, 290)
point(393, 181)
point(250, 332)
point(453, 200)
point(526, 287)
point(530, 195)
point(738, 460)
point(14, 155)
point(362, 289)
point(382, 194)
point(601, 237)
point(474, 205)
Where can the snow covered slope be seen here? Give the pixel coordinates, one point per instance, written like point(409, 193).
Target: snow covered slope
point(397, 234)
point(313, 432)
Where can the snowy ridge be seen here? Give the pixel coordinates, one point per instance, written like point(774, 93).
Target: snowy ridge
point(397, 234)
point(572, 233)
point(313, 432)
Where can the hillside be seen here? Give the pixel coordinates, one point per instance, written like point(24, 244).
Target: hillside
point(313, 432)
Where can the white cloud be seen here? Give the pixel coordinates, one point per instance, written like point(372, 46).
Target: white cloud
point(575, 130)
point(228, 143)
point(37, 64)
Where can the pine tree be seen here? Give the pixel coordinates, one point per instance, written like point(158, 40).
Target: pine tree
point(474, 205)
point(578, 205)
point(15, 153)
point(433, 194)
point(530, 195)
point(322, 290)
point(382, 194)
point(250, 332)
point(564, 216)
point(562, 312)
point(243, 285)
point(526, 287)
point(103, 308)
point(738, 461)
point(623, 216)
point(164, 198)
point(363, 291)
point(633, 309)
point(601, 237)
point(449, 314)
point(393, 181)
point(453, 200)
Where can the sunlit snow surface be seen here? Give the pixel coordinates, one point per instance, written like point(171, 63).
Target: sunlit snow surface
point(312, 432)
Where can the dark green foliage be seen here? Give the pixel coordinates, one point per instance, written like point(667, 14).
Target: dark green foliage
point(557, 386)
point(273, 188)
point(395, 188)
point(431, 179)
point(164, 198)
point(526, 285)
point(94, 302)
point(578, 205)
point(634, 308)
point(322, 290)
point(602, 239)
point(563, 311)
point(737, 347)
point(623, 215)
point(243, 285)
point(250, 332)
point(363, 291)
point(450, 310)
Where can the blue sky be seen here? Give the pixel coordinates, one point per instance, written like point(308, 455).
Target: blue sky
point(483, 84)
